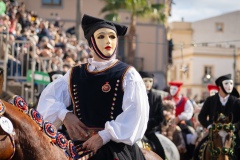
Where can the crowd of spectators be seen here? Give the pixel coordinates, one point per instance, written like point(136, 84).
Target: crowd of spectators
point(48, 40)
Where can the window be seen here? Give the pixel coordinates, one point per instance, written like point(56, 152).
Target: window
point(207, 75)
point(237, 77)
point(52, 2)
point(208, 70)
point(219, 27)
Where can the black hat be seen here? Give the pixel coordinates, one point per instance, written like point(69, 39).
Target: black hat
point(219, 80)
point(146, 74)
point(91, 24)
point(55, 74)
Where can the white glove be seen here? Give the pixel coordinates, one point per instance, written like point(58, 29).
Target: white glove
point(210, 126)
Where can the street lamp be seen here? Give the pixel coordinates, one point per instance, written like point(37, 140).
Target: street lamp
point(207, 77)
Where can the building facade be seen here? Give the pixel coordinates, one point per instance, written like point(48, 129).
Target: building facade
point(205, 50)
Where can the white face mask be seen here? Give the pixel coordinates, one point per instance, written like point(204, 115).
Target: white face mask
point(173, 90)
point(228, 85)
point(106, 40)
point(148, 83)
point(213, 92)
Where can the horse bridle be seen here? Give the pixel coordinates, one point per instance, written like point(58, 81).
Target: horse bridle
point(215, 152)
point(2, 111)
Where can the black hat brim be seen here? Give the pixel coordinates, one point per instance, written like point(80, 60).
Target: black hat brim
point(146, 74)
point(91, 24)
point(219, 80)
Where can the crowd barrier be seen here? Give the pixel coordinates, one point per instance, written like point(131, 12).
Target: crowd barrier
point(21, 65)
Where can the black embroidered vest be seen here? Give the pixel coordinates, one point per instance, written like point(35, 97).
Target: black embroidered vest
point(97, 96)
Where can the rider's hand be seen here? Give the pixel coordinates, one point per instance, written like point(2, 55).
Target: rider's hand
point(181, 148)
point(93, 143)
point(76, 129)
point(210, 126)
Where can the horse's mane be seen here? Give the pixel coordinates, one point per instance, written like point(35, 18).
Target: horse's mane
point(32, 135)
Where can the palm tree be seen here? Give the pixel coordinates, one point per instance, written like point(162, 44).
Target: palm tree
point(137, 8)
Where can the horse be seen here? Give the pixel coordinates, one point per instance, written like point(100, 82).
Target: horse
point(169, 147)
point(24, 135)
point(23, 138)
point(150, 155)
point(220, 143)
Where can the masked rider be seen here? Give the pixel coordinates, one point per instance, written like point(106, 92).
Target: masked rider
point(110, 105)
point(155, 114)
point(222, 102)
point(184, 112)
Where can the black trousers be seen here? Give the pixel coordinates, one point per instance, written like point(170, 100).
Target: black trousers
point(190, 147)
point(158, 148)
point(119, 151)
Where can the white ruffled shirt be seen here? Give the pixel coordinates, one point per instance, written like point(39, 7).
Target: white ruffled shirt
point(128, 127)
point(188, 110)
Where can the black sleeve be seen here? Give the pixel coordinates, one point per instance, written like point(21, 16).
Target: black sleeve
point(205, 113)
point(236, 117)
point(156, 115)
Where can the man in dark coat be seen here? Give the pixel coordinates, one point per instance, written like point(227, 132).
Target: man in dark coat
point(155, 114)
point(223, 102)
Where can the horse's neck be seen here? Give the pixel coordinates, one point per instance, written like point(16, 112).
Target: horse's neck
point(31, 142)
point(24, 126)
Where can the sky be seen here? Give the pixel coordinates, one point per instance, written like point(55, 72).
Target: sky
point(194, 10)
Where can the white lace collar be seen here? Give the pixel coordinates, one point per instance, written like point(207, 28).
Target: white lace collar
point(95, 65)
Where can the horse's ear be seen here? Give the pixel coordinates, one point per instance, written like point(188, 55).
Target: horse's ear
point(229, 117)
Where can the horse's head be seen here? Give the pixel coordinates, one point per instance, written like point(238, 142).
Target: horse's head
point(221, 136)
point(221, 118)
